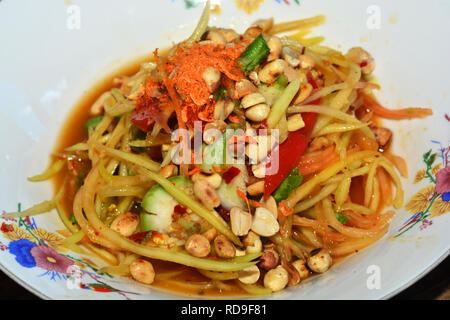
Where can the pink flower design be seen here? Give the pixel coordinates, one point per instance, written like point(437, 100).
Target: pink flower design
point(443, 180)
point(3, 247)
point(7, 219)
point(425, 223)
point(48, 259)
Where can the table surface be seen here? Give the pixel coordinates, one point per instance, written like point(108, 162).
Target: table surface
point(434, 286)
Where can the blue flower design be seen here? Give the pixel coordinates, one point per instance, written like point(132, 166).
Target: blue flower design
point(22, 250)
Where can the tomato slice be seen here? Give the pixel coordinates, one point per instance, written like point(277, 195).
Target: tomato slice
point(289, 152)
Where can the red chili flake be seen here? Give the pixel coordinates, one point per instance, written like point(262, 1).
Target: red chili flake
point(263, 128)
point(230, 174)
point(139, 237)
point(311, 81)
point(447, 117)
point(6, 227)
point(224, 213)
point(157, 235)
point(303, 50)
point(178, 211)
point(96, 233)
point(363, 64)
point(74, 164)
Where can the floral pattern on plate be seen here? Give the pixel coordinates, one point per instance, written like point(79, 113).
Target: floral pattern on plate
point(249, 6)
point(37, 248)
point(434, 199)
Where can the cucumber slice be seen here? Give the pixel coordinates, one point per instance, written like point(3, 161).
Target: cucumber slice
point(272, 92)
point(214, 155)
point(159, 206)
point(229, 197)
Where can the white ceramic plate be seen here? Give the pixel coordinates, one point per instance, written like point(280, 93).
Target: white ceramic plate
point(47, 62)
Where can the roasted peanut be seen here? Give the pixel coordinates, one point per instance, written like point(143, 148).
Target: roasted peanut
point(259, 170)
point(168, 171)
point(274, 44)
point(210, 234)
point(306, 62)
point(264, 223)
point(241, 221)
point(264, 24)
point(228, 34)
point(125, 223)
point(289, 72)
point(276, 279)
point(320, 262)
point(258, 113)
point(290, 57)
point(142, 271)
point(362, 58)
point(213, 130)
point(216, 37)
point(206, 194)
point(252, 242)
point(271, 205)
point(303, 93)
point(256, 188)
point(213, 179)
point(300, 265)
point(253, 32)
point(244, 87)
point(223, 247)
point(240, 252)
point(253, 75)
point(211, 76)
point(293, 274)
point(269, 259)
point(223, 109)
point(271, 71)
point(252, 99)
point(249, 275)
point(198, 246)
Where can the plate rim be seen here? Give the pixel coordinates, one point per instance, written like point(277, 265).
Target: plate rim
point(387, 296)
